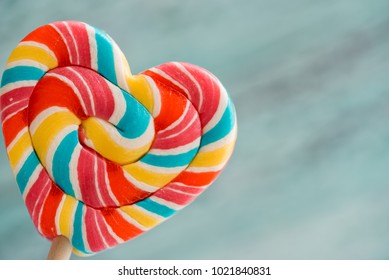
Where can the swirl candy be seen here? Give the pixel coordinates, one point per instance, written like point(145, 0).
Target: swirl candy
point(101, 155)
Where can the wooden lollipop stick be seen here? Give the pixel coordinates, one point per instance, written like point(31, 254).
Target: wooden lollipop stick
point(60, 249)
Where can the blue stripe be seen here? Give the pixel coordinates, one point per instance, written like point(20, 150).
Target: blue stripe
point(77, 239)
point(135, 120)
point(224, 126)
point(21, 73)
point(170, 160)
point(105, 56)
point(61, 161)
point(156, 208)
point(26, 171)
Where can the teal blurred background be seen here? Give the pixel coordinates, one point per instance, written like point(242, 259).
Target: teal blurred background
point(310, 82)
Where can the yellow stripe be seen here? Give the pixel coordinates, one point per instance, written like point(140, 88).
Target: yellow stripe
point(107, 147)
point(142, 218)
point(141, 90)
point(19, 148)
point(66, 216)
point(34, 53)
point(155, 179)
point(213, 158)
point(49, 129)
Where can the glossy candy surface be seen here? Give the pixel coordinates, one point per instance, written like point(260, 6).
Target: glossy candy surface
point(101, 155)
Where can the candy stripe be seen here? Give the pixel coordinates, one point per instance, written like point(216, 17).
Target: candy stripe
point(101, 155)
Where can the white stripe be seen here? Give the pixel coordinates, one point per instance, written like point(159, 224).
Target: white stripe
point(15, 103)
point(20, 134)
point(166, 76)
point(71, 84)
point(226, 140)
point(41, 211)
point(223, 102)
point(159, 169)
point(92, 46)
point(113, 234)
point(140, 185)
point(194, 118)
point(148, 213)
point(22, 159)
point(42, 116)
point(71, 222)
point(156, 96)
point(166, 203)
point(54, 145)
point(100, 232)
point(41, 46)
point(200, 92)
point(182, 192)
point(127, 143)
point(83, 230)
point(33, 178)
point(63, 39)
point(92, 101)
point(206, 169)
point(131, 220)
point(108, 186)
point(27, 62)
point(119, 67)
point(120, 106)
point(177, 150)
point(16, 85)
point(178, 121)
point(73, 172)
point(74, 42)
point(58, 214)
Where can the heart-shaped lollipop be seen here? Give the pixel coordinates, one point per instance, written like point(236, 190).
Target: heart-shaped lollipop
point(101, 155)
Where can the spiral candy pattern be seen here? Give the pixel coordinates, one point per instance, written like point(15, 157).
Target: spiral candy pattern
point(100, 155)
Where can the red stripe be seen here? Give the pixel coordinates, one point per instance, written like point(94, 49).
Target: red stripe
point(94, 238)
point(124, 191)
point(196, 179)
point(13, 126)
point(49, 211)
point(119, 225)
point(184, 80)
point(82, 41)
point(48, 36)
point(102, 95)
point(36, 195)
point(67, 37)
point(79, 83)
point(104, 229)
point(87, 178)
point(51, 91)
point(210, 89)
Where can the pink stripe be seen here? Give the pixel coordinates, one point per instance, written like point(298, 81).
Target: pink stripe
point(95, 241)
point(210, 89)
point(102, 95)
point(86, 178)
point(15, 95)
point(68, 41)
point(175, 197)
point(16, 107)
point(37, 195)
point(80, 84)
point(104, 230)
point(81, 35)
point(103, 185)
point(190, 190)
point(184, 80)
